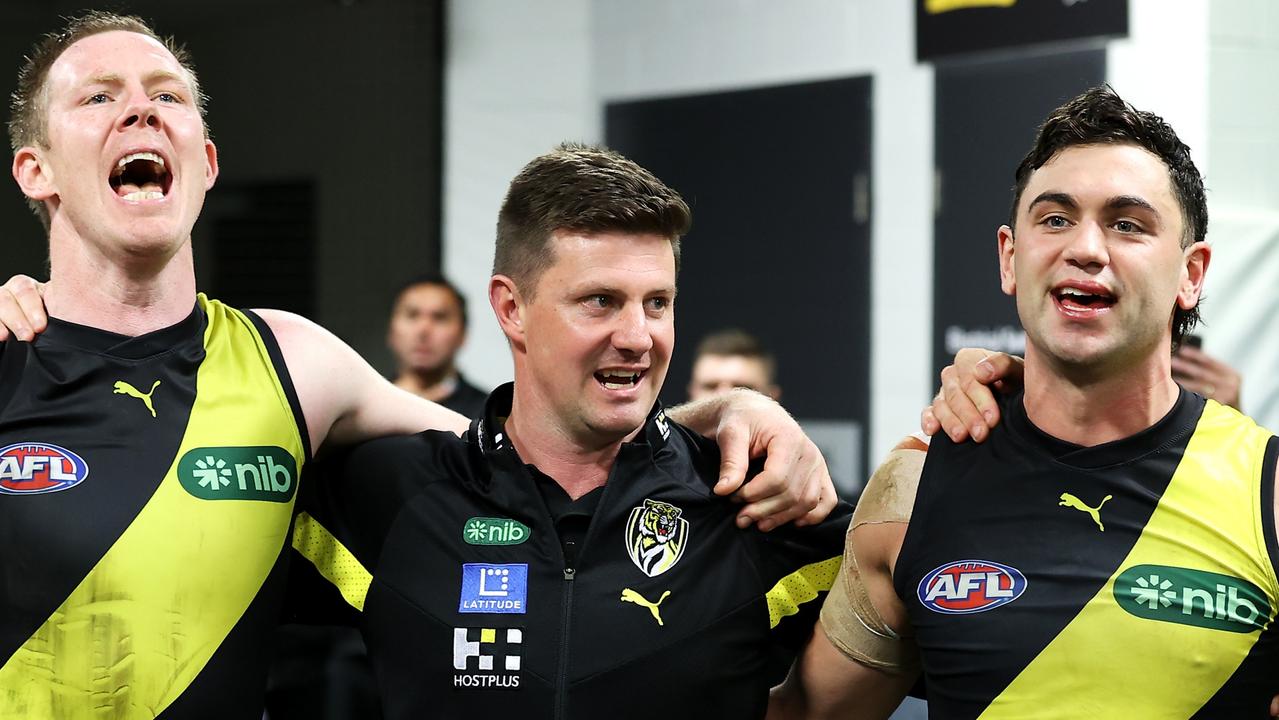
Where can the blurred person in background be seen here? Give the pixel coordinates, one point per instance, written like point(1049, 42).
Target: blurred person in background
point(730, 359)
point(426, 330)
point(1197, 371)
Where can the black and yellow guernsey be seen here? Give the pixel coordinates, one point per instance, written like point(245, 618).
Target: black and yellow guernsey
point(485, 592)
point(147, 487)
point(1134, 579)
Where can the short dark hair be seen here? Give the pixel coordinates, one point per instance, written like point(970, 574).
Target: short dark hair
point(737, 343)
point(431, 278)
point(580, 188)
point(28, 119)
point(1099, 116)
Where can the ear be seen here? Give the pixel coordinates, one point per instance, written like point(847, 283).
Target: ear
point(1194, 268)
point(210, 164)
point(504, 296)
point(32, 175)
point(1007, 273)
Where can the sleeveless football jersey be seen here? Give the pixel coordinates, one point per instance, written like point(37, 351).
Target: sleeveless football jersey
point(146, 493)
point(1135, 579)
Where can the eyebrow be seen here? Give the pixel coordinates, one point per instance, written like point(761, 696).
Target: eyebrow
point(1119, 202)
point(1057, 198)
point(1124, 202)
point(152, 77)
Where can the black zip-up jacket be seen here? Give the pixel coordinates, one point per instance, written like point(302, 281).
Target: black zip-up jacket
point(485, 593)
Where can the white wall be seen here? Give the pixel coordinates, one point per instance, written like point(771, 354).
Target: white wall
point(1241, 309)
point(517, 82)
point(1208, 69)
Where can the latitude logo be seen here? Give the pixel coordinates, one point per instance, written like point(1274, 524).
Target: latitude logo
point(1192, 597)
point(239, 473)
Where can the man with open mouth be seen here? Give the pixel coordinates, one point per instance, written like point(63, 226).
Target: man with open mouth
point(1109, 549)
point(151, 439)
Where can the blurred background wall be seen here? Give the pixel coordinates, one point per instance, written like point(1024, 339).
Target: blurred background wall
point(363, 141)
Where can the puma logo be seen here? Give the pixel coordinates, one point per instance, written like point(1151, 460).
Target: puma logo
point(124, 388)
point(630, 596)
point(1069, 500)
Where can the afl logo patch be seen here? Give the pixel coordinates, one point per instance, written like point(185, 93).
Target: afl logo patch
point(970, 586)
point(33, 468)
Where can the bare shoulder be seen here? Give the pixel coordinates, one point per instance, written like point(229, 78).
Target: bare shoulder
point(314, 358)
point(890, 492)
point(294, 329)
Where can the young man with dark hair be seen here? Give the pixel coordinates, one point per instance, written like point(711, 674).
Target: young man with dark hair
point(1110, 548)
point(426, 330)
point(568, 550)
point(151, 439)
point(732, 359)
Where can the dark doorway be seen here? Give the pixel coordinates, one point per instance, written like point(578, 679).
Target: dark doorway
point(255, 246)
point(779, 182)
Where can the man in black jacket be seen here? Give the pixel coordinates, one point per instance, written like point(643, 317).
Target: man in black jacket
point(567, 558)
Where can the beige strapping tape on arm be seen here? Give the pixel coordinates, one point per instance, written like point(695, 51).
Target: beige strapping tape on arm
point(849, 618)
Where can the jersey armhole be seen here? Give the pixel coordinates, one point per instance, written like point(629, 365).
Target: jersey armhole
point(286, 381)
point(1269, 458)
point(13, 355)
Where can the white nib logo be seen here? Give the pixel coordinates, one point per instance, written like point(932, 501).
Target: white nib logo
point(212, 473)
point(1154, 592)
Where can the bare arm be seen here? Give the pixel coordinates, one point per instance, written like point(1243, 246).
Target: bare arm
point(344, 399)
point(794, 484)
point(836, 687)
point(860, 662)
point(965, 405)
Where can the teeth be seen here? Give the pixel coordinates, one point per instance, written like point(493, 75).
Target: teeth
point(629, 377)
point(614, 380)
point(140, 156)
point(140, 195)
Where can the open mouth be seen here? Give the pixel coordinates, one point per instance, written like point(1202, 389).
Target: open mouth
point(1075, 299)
point(141, 176)
point(617, 379)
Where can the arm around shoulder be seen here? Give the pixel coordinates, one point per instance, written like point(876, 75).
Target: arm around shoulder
point(343, 398)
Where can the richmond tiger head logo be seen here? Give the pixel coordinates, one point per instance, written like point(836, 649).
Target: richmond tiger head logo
point(656, 536)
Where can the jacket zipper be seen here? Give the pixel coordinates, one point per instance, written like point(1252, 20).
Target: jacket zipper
point(561, 679)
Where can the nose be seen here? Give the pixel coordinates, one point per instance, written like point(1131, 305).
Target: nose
point(140, 113)
point(632, 333)
point(1087, 247)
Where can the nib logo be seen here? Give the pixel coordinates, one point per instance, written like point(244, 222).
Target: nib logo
point(239, 473)
point(494, 531)
point(1192, 597)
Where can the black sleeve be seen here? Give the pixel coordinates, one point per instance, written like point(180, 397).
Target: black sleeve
point(13, 355)
point(797, 566)
point(347, 503)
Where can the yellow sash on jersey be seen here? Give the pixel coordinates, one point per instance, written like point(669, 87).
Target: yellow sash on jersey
point(1110, 664)
point(144, 622)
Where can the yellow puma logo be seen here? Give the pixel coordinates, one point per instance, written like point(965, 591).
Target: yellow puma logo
point(630, 596)
point(1069, 500)
point(124, 388)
